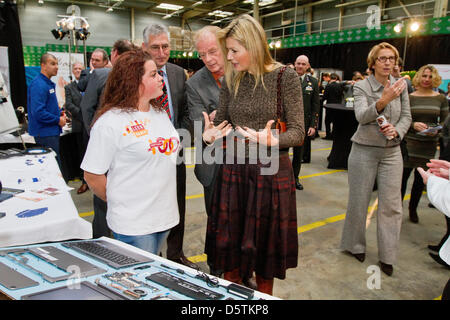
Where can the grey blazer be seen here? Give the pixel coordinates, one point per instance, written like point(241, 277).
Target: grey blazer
point(366, 93)
point(73, 101)
point(91, 98)
point(202, 96)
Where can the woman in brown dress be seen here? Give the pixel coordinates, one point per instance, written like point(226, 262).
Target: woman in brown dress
point(253, 224)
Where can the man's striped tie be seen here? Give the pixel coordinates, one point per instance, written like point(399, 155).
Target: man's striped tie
point(164, 99)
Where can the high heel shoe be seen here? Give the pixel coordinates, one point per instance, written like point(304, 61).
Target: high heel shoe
point(387, 268)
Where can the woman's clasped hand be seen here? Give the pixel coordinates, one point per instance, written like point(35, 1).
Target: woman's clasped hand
point(264, 137)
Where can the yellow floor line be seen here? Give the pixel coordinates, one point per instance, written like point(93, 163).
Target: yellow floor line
point(313, 150)
point(320, 174)
point(195, 196)
point(86, 214)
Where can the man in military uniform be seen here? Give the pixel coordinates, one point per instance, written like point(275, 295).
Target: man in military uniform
point(310, 91)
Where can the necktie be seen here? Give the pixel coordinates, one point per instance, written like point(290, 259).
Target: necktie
point(164, 99)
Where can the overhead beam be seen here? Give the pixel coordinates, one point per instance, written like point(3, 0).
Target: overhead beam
point(208, 7)
point(306, 5)
point(404, 8)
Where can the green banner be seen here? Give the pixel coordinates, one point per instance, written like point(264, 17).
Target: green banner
point(431, 26)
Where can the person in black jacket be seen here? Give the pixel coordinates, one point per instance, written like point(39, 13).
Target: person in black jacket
point(73, 106)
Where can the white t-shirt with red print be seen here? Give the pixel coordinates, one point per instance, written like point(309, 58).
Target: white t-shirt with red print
point(138, 152)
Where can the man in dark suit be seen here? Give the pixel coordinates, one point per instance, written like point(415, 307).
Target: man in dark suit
point(89, 105)
point(99, 59)
point(72, 105)
point(156, 43)
point(311, 105)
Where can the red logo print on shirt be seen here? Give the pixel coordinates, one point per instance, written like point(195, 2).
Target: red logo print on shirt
point(165, 146)
point(137, 128)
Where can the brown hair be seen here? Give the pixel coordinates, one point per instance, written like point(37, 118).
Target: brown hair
point(123, 45)
point(122, 87)
point(373, 54)
point(435, 77)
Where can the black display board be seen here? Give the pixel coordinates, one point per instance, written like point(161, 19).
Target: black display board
point(10, 37)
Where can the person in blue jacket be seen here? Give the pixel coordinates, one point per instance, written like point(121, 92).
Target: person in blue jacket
point(45, 119)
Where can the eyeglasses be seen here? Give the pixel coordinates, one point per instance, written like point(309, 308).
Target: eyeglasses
point(383, 59)
point(212, 52)
point(164, 47)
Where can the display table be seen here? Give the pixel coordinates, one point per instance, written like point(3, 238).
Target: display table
point(344, 126)
point(70, 158)
point(135, 276)
point(45, 210)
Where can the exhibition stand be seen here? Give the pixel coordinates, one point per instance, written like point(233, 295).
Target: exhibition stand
point(54, 271)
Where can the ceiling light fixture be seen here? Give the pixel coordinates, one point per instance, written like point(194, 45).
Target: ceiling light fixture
point(398, 27)
point(261, 3)
point(169, 6)
point(220, 13)
point(414, 26)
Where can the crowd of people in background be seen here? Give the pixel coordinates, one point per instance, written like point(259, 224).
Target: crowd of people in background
point(137, 173)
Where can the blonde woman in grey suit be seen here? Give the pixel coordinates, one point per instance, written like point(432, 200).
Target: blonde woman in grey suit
point(376, 154)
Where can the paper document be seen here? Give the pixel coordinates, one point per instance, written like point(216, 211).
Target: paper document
point(431, 130)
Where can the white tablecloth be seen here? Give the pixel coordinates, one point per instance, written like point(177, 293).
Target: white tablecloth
point(45, 189)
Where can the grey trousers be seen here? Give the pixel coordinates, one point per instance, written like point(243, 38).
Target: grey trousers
point(365, 164)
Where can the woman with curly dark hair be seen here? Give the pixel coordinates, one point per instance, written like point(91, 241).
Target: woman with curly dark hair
point(130, 161)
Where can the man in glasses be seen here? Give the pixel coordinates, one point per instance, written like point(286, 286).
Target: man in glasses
point(157, 44)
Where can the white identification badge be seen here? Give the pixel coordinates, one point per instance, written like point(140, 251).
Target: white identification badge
point(52, 91)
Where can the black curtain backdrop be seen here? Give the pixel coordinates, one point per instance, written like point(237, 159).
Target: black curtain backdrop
point(10, 37)
point(353, 56)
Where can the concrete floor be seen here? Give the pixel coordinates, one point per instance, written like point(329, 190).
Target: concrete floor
point(324, 272)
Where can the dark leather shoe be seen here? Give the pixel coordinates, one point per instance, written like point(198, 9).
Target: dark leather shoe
point(387, 268)
point(185, 261)
point(298, 186)
point(83, 188)
point(434, 248)
point(413, 216)
point(438, 259)
point(359, 256)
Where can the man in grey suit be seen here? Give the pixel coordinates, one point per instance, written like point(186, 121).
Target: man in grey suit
point(72, 105)
point(89, 105)
point(202, 91)
point(157, 44)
